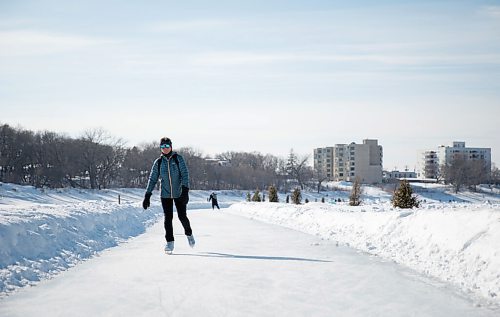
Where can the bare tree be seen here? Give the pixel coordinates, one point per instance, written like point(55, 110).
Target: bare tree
point(137, 163)
point(98, 160)
point(50, 160)
point(16, 156)
point(320, 176)
point(495, 175)
point(355, 197)
point(455, 173)
point(100, 156)
point(297, 168)
point(462, 172)
point(199, 170)
point(282, 175)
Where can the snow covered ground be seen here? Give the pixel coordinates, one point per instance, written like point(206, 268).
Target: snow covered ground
point(239, 267)
point(454, 237)
point(458, 244)
point(44, 232)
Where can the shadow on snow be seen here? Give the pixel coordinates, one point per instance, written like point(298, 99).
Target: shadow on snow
point(250, 257)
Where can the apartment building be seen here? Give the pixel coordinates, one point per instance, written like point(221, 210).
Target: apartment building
point(323, 162)
point(345, 162)
point(431, 161)
point(428, 164)
point(447, 153)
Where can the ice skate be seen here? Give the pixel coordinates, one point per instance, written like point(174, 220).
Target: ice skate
point(191, 241)
point(169, 248)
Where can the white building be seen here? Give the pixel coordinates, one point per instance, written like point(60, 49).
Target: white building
point(431, 161)
point(346, 162)
point(399, 175)
point(428, 164)
point(323, 162)
point(446, 154)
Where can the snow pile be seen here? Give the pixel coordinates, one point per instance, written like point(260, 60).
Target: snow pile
point(38, 240)
point(457, 243)
point(43, 232)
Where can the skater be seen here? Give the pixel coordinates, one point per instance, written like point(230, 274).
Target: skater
point(213, 198)
point(172, 171)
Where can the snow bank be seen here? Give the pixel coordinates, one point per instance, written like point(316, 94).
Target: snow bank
point(42, 233)
point(457, 243)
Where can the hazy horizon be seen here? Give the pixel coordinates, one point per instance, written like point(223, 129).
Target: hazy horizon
point(213, 154)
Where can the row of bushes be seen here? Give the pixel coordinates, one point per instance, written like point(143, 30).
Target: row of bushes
point(402, 197)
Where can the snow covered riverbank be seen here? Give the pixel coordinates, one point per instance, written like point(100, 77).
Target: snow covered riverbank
point(43, 232)
point(457, 243)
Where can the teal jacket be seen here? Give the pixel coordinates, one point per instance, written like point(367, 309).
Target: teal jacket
point(173, 175)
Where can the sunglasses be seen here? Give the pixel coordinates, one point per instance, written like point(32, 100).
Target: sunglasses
point(164, 146)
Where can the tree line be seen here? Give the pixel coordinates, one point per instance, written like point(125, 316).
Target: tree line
point(469, 173)
point(97, 160)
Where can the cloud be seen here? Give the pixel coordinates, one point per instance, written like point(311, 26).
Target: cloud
point(27, 42)
point(492, 11)
point(15, 23)
point(194, 25)
point(239, 58)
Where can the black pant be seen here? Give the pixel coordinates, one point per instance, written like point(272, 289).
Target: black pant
point(214, 203)
point(168, 210)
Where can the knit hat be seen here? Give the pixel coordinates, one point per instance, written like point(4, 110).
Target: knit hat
point(166, 140)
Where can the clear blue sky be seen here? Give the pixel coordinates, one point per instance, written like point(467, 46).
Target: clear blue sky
point(257, 75)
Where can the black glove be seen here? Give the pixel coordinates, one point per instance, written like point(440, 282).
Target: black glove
point(146, 202)
point(184, 198)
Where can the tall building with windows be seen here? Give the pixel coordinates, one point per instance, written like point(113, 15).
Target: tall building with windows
point(349, 161)
point(428, 164)
point(431, 161)
point(323, 162)
point(446, 154)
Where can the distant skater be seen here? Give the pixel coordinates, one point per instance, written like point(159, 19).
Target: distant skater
point(213, 198)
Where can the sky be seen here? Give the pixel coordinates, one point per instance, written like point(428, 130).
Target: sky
point(266, 76)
